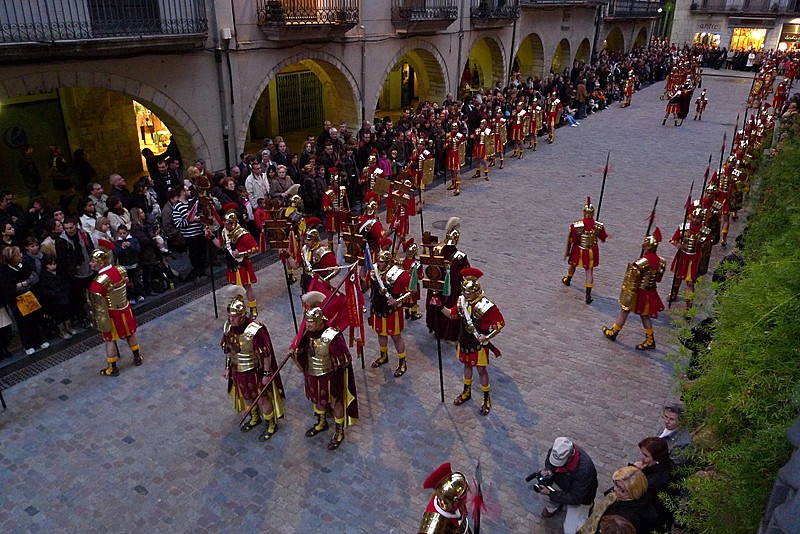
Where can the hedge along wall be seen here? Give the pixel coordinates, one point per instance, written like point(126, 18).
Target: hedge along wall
point(748, 391)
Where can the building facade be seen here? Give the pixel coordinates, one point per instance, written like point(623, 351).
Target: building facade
point(218, 76)
point(738, 24)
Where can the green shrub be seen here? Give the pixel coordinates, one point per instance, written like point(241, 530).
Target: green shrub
point(747, 395)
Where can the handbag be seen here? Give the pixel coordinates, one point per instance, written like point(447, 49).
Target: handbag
point(27, 303)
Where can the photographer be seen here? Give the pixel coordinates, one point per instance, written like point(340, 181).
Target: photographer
point(568, 479)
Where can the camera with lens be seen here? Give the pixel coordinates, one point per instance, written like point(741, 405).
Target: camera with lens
point(542, 479)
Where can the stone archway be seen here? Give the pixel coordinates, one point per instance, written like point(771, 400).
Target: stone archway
point(584, 52)
point(561, 57)
point(530, 56)
point(614, 41)
point(641, 38)
point(339, 91)
point(108, 99)
point(432, 77)
point(487, 58)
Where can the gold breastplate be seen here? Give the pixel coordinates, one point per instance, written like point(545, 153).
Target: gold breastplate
point(319, 358)
point(245, 358)
point(116, 292)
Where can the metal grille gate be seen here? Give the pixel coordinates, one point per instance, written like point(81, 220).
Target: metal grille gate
point(299, 101)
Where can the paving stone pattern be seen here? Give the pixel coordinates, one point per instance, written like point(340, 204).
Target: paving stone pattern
point(158, 449)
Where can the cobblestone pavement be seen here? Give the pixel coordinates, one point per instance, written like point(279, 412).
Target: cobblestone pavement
point(158, 449)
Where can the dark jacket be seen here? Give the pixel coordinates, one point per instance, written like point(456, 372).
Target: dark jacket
point(127, 257)
point(639, 512)
point(659, 477)
point(577, 485)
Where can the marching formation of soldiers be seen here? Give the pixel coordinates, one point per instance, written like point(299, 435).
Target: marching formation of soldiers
point(685, 75)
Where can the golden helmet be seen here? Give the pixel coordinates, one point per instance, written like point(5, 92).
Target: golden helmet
point(372, 159)
point(588, 208)
point(312, 302)
point(232, 219)
point(371, 207)
point(454, 126)
point(385, 256)
point(451, 231)
point(470, 286)
point(450, 487)
point(101, 256)
point(410, 247)
point(296, 201)
point(650, 243)
point(312, 233)
point(711, 189)
point(408, 183)
point(237, 306)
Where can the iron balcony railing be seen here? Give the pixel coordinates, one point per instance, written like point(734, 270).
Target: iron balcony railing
point(424, 10)
point(746, 6)
point(634, 8)
point(49, 21)
point(534, 3)
point(307, 12)
point(495, 9)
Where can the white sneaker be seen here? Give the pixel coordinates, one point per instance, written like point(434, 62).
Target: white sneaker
point(140, 299)
point(44, 345)
point(29, 351)
point(574, 125)
point(72, 331)
point(66, 335)
point(577, 123)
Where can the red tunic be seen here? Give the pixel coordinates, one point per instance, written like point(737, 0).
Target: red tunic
point(447, 328)
point(247, 384)
point(686, 264)
point(517, 128)
point(241, 272)
point(647, 301)
point(585, 257)
point(375, 233)
point(479, 150)
point(383, 319)
point(453, 158)
point(400, 222)
point(333, 217)
point(497, 126)
point(123, 322)
point(489, 321)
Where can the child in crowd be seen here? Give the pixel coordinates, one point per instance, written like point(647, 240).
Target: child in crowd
point(126, 250)
point(54, 290)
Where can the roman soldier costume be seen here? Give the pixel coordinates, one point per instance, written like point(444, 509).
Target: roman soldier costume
point(404, 202)
point(457, 260)
point(500, 131)
point(700, 105)
point(483, 138)
point(335, 206)
point(314, 256)
point(639, 292)
point(249, 358)
point(370, 173)
point(389, 285)
point(369, 225)
point(321, 353)
point(455, 146)
point(413, 266)
point(238, 245)
point(446, 512)
point(111, 311)
point(628, 89)
point(689, 238)
point(582, 249)
point(520, 126)
point(552, 114)
point(480, 321)
point(673, 97)
point(537, 123)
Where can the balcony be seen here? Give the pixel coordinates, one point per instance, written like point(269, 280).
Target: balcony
point(745, 7)
point(89, 28)
point(562, 3)
point(423, 16)
point(306, 20)
point(494, 13)
point(634, 9)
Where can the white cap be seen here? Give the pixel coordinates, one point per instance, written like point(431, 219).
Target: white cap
point(561, 451)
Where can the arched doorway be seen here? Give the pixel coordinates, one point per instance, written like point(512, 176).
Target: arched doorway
point(561, 57)
point(485, 65)
point(414, 75)
point(298, 96)
point(614, 40)
point(641, 38)
point(103, 121)
point(584, 52)
point(530, 56)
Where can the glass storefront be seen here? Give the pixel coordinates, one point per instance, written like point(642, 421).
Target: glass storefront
point(747, 38)
point(707, 39)
point(790, 37)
